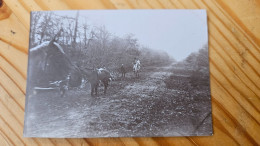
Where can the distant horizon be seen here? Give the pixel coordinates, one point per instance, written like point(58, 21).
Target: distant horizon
point(177, 32)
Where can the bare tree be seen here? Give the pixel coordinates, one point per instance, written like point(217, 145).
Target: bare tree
point(44, 24)
point(35, 21)
point(85, 27)
point(92, 46)
point(75, 30)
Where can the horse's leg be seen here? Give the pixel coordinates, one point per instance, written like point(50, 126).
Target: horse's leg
point(92, 90)
point(62, 91)
point(62, 87)
point(105, 89)
point(105, 86)
point(96, 89)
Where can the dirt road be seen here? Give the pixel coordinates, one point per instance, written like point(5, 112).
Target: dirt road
point(132, 107)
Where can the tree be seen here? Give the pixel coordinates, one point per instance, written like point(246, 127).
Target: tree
point(92, 46)
point(198, 61)
point(85, 27)
point(34, 24)
point(203, 57)
point(45, 25)
point(75, 30)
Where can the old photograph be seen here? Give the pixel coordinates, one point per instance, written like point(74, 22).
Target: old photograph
point(118, 73)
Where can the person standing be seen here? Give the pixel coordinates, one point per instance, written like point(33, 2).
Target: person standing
point(123, 71)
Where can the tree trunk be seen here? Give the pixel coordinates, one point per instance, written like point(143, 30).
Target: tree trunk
point(46, 20)
point(75, 31)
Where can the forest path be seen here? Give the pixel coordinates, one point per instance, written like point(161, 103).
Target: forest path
point(151, 78)
point(132, 106)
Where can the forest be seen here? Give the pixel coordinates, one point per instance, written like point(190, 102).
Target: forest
point(92, 46)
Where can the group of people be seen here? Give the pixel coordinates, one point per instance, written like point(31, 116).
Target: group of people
point(136, 65)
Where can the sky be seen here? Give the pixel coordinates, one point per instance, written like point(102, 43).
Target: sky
point(177, 32)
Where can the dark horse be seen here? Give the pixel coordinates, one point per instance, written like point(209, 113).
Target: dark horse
point(50, 68)
point(95, 77)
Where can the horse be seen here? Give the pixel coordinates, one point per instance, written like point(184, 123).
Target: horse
point(105, 77)
point(96, 76)
point(136, 68)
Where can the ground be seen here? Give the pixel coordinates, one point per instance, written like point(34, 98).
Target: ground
point(143, 106)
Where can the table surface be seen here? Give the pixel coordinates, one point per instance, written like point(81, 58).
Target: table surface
point(234, 48)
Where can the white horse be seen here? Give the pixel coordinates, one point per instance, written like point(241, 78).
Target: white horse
point(136, 68)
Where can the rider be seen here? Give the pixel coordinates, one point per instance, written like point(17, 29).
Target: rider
point(136, 62)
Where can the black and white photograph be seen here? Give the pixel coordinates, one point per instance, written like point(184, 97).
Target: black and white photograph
point(118, 73)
